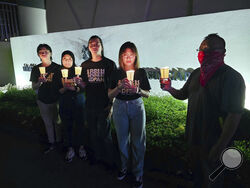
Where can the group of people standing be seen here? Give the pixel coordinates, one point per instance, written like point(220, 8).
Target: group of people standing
point(89, 98)
point(215, 94)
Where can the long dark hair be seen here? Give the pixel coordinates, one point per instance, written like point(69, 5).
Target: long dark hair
point(131, 46)
point(95, 37)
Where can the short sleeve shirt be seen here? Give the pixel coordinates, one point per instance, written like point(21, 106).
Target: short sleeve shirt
point(97, 77)
point(224, 93)
point(47, 93)
point(140, 80)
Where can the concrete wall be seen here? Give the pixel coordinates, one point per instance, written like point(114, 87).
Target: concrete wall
point(32, 21)
point(6, 70)
point(64, 15)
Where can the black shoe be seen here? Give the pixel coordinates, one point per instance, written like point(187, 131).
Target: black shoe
point(121, 174)
point(138, 183)
point(50, 148)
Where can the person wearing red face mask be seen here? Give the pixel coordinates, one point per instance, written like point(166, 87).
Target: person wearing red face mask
point(216, 95)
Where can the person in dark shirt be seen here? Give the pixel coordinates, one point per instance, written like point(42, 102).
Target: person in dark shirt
point(128, 111)
point(216, 94)
point(47, 95)
point(96, 73)
point(71, 106)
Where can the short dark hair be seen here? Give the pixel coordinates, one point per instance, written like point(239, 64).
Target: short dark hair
point(46, 46)
point(95, 37)
point(215, 41)
point(131, 46)
point(41, 46)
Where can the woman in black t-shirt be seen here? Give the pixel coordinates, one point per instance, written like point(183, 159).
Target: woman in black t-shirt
point(96, 73)
point(128, 110)
point(71, 105)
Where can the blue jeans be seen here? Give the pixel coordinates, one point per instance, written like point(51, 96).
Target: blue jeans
point(130, 120)
point(72, 111)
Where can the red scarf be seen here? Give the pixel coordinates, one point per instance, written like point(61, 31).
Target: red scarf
point(209, 65)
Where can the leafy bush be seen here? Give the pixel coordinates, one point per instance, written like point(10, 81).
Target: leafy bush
point(165, 126)
point(243, 146)
point(18, 105)
point(166, 118)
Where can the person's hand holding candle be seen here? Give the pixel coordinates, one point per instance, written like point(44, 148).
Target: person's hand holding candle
point(43, 73)
point(164, 80)
point(78, 71)
point(78, 81)
point(123, 84)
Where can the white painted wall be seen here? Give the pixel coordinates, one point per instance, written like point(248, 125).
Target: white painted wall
point(170, 42)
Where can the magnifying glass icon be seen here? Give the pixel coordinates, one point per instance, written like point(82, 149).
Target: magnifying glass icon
point(231, 159)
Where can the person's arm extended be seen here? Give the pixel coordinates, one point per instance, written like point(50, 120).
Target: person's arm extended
point(229, 128)
point(144, 93)
point(177, 93)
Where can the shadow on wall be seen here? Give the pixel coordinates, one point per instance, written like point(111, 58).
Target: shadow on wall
point(7, 74)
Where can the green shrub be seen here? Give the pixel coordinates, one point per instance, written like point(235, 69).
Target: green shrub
point(166, 118)
point(18, 105)
point(165, 124)
point(243, 146)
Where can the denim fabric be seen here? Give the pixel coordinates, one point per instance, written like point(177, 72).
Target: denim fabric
point(130, 119)
point(72, 111)
point(100, 139)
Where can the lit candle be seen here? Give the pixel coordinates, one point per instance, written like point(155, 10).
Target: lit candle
point(78, 71)
point(42, 71)
point(164, 72)
point(130, 75)
point(64, 73)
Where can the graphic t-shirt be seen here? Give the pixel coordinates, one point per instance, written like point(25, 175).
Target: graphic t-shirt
point(97, 77)
point(68, 99)
point(140, 80)
point(46, 92)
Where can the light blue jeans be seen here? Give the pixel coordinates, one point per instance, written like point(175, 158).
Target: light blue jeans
point(130, 120)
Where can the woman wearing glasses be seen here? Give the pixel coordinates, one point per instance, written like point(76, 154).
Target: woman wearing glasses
point(128, 111)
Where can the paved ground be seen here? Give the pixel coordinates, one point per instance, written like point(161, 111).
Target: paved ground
point(22, 165)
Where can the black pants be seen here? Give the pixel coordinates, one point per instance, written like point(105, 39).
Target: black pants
point(100, 139)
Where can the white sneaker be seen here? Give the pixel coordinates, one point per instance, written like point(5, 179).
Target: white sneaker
point(82, 153)
point(70, 155)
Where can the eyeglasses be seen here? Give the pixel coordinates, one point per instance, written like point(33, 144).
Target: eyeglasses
point(43, 52)
point(128, 55)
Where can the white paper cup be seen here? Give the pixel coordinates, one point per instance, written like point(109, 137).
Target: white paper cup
point(42, 70)
point(64, 73)
point(78, 70)
point(130, 75)
point(164, 72)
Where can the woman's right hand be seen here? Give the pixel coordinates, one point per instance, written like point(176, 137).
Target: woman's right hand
point(69, 86)
point(42, 79)
point(122, 84)
point(79, 82)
